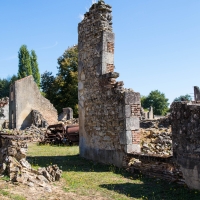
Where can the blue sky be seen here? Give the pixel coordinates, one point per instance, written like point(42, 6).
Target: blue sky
point(157, 42)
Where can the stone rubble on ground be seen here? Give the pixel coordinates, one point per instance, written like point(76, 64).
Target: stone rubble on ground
point(156, 137)
point(13, 163)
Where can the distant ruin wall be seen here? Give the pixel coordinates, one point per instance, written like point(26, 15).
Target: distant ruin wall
point(4, 106)
point(25, 97)
point(186, 140)
point(108, 113)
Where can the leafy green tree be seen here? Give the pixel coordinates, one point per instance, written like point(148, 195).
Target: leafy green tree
point(67, 80)
point(186, 97)
point(34, 67)
point(48, 86)
point(62, 90)
point(4, 88)
point(158, 101)
point(5, 85)
point(24, 62)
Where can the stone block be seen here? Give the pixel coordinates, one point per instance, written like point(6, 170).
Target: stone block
point(132, 123)
point(80, 85)
point(129, 137)
point(128, 111)
point(122, 138)
point(132, 148)
point(132, 98)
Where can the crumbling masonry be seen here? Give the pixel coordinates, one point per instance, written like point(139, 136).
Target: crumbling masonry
point(108, 113)
point(186, 140)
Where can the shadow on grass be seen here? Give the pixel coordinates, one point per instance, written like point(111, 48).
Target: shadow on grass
point(154, 190)
point(68, 163)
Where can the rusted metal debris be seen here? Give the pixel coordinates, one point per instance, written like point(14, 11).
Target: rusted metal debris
point(61, 134)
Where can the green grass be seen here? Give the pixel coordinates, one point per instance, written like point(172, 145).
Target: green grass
point(90, 179)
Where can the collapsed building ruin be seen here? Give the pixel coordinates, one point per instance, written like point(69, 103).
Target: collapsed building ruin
point(108, 113)
point(13, 163)
point(25, 97)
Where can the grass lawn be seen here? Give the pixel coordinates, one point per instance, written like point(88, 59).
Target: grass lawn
point(87, 178)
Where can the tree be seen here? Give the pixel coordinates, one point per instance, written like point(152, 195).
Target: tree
point(24, 62)
point(67, 80)
point(48, 86)
point(62, 90)
point(5, 86)
point(34, 67)
point(186, 97)
point(158, 101)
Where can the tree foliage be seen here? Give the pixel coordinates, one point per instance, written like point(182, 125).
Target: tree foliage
point(157, 100)
point(28, 64)
point(186, 97)
point(62, 90)
point(5, 86)
point(24, 62)
point(34, 67)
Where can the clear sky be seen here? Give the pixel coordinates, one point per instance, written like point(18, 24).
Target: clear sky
point(157, 42)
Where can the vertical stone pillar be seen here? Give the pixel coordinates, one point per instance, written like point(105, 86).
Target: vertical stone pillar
point(196, 93)
point(68, 113)
point(150, 113)
point(108, 113)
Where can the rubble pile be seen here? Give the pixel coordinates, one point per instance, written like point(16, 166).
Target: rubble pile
point(38, 120)
point(32, 133)
point(156, 141)
point(70, 121)
point(156, 137)
point(13, 162)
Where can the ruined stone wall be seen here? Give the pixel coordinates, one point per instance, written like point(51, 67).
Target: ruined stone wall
point(155, 166)
point(186, 140)
point(25, 97)
point(4, 105)
point(108, 113)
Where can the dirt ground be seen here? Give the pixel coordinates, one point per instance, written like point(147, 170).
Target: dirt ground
point(40, 193)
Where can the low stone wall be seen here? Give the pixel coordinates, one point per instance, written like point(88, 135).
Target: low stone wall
point(186, 140)
point(155, 166)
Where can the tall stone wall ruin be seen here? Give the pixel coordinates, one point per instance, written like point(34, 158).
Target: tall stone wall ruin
point(25, 97)
point(185, 119)
point(108, 113)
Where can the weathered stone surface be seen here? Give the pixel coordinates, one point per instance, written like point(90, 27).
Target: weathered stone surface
point(13, 162)
point(186, 140)
point(67, 114)
point(132, 123)
point(38, 120)
point(4, 112)
point(25, 96)
point(155, 166)
point(106, 110)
